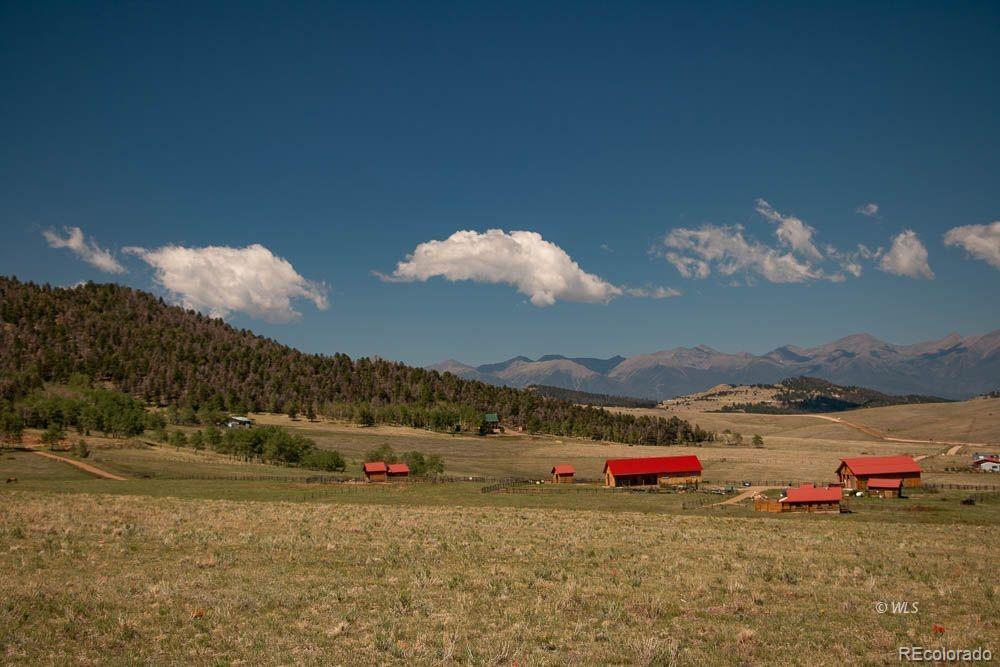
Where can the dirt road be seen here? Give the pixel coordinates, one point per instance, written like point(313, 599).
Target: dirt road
point(747, 493)
point(882, 436)
point(86, 467)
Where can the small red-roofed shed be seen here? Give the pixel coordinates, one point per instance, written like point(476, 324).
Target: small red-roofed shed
point(397, 472)
point(562, 474)
point(375, 471)
point(885, 488)
point(854, 473)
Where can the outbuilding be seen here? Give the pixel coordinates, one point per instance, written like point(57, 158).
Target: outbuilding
point(652, 470)
point(854, 473)
point(375, 471)
point(885, 488)
point(563, 474)
point(809, 498)
point(397, 472)
point(989, 464)
point(236, 421)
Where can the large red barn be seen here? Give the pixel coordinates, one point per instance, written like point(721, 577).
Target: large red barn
point(854, 473)
point(652, 470)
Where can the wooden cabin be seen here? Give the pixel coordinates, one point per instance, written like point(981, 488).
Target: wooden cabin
point(654, 470)
point(397, 472)
point(563, 474)
point(854, 473)
point(885, 488)
point(804, 498)
point(491, 422)
point(375, 471)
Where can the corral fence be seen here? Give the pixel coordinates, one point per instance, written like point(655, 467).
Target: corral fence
point(963, 487)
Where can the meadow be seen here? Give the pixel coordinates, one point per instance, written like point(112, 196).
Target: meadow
point(201, 559)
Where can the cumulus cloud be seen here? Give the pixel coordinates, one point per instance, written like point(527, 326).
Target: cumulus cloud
point(791, 231)
point(906, 257)
point(221, 280)
point(980, 241)
point(696, 252)
point(870, 210)
point(85, 249)
point(539, 269)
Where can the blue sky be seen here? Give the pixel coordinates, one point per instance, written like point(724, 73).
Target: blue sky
point(341, 137)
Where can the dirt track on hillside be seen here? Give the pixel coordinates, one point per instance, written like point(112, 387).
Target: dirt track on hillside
point(957, 445)
point(86, 467)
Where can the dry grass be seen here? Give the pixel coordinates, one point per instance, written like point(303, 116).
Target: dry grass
point(115, 579)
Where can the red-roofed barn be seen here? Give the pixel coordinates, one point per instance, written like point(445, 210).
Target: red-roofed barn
point(652, 470)
point(397, 471)
point(375, 471)
point(854, 473)
point(563, 474)
point(886, 488)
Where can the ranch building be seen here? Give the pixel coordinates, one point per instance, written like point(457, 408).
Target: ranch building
point(652, 471)
point(885, 488)
point(491, 422)
point(563, 474)
point(375, 471)
point(804, 498)
point(399, 472)
point(236, 421)
point(854, 473)
point(989, 464)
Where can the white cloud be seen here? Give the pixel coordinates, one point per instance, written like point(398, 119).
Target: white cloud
point(907, 257)
point(220, 280)
point(696, 252)
point(539, 269)
point(650, 292)
point(980, 241)
point(791, 231)
point(87, 250)
point(870, 210)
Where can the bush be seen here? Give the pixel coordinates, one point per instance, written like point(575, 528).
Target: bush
point(81, 449)
point(382, 453)
point(321, 459)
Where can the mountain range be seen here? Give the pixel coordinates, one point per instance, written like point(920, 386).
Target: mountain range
point(953, 367)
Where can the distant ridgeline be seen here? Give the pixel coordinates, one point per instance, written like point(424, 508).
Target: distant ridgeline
point(166, 355)
point(587, 398)
point(808, 395)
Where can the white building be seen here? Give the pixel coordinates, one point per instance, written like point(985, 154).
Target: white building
point(235, 421)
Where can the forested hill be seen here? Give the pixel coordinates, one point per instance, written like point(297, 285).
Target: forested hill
point(166, 355)
point(590, 398)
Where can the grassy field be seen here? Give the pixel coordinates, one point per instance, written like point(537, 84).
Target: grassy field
point(201, 559)
point(131, 578)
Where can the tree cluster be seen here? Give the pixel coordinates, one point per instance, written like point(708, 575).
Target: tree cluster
point(165, 355)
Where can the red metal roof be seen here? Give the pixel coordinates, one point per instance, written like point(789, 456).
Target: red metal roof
point(883, 483)
point(398, 469)
point(654, 465)
point(882, 465)
point(807, 493)
point(563, 469)
point(375, 466)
